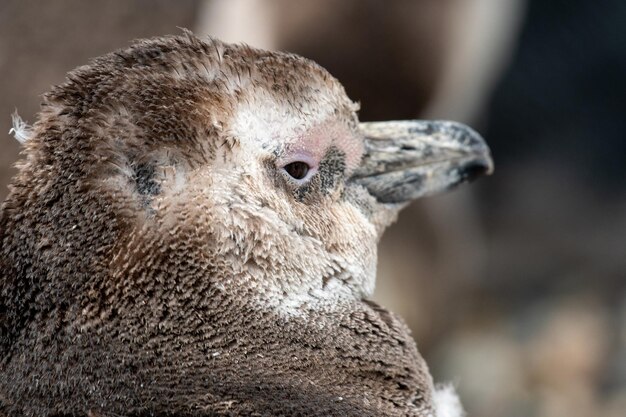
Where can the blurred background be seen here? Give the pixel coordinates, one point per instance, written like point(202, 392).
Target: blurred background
point(515, 286)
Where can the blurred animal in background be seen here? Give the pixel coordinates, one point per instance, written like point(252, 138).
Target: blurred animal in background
point(193, 231)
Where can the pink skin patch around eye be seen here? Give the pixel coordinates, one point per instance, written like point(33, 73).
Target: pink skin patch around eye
point(312, 145)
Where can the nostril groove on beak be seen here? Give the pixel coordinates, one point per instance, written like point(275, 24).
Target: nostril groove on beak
point(407, 148)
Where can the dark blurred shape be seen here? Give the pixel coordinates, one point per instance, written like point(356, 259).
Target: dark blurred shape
point(564, 95)
point(556, 128)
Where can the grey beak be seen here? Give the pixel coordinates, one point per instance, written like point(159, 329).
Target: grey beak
point(406, 160)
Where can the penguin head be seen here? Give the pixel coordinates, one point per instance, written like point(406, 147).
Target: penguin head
point(181, 164)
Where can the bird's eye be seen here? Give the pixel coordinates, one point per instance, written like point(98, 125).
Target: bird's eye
point(297, 170)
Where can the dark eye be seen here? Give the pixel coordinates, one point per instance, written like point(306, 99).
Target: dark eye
point(297, 170)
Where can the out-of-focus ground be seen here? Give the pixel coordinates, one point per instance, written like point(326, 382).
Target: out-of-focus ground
point(515, 286)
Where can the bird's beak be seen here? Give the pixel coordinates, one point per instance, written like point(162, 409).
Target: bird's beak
point(406, 160)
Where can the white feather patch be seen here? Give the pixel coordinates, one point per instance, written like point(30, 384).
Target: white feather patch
point(21, 130)
point(447, 403)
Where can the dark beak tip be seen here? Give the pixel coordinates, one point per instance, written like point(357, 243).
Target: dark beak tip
point(475, 169)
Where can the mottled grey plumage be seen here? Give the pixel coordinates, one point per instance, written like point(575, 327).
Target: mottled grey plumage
point(157, 258)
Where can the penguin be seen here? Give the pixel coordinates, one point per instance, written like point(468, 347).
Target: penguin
point(192, 231)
